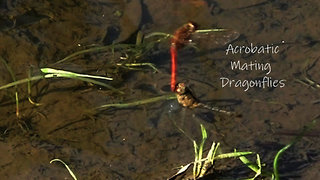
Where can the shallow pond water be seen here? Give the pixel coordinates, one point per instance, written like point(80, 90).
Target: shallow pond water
point(145, 141)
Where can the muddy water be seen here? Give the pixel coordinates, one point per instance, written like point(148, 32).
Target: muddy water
point(142, 142)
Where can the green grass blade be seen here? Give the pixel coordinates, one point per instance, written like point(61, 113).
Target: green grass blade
point(276, 159)
point(14, 79)
point(209, 159)
point(53, 73)
point(71, 74)
point(98, 83)
point(166, 35)
point(282, 150)
point(8, 68)
point(210, 30)
point(203, 132)
point(139, 38)
point(17, 104)
point(70, 171)
point(249, 164)
point(21, 81)
point(48, 76)
point(140, 102)
point(140, 64)
point(231, 155)
point(200, 151)
point(212, 157)
point(94, 50)
point(196, 160)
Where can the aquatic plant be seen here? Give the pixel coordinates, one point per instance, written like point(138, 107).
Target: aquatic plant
point(133, 54)
point(201, 165)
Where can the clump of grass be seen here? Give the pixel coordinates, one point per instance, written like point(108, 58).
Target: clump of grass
point(48, 73)
point(257, 168)
point(201, 165)
point(123, 57)
point(134, 54)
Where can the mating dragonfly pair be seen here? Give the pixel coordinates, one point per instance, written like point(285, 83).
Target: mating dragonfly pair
point(181, 38)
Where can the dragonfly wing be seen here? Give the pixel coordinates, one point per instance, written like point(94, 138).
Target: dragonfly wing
point(225, 37)
point(213, 40)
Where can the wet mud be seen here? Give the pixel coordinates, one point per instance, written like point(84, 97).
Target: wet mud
point(144, 142)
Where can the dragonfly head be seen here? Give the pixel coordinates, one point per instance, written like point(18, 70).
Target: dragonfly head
point(191, 27)
point(180, 88)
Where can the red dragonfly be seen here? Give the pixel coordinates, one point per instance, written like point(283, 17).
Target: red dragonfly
point(187, 32)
